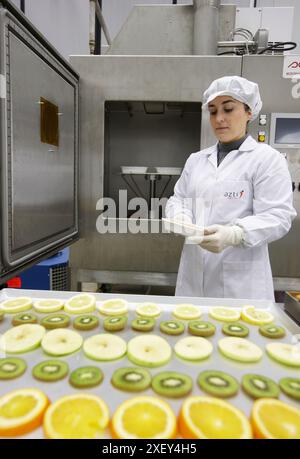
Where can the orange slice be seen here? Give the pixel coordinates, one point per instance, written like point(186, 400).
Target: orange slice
point(144, 417)
point(212, 418)
point(21, 411)
point(275, 419)
point(76, 416)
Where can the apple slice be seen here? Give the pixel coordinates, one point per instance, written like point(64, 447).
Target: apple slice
point(14, 305)
point(240, 349)
point(149, 351)
point(193, 348)
point(287, 354)
point(21, 339)
point(61, 342)
point(104, 346)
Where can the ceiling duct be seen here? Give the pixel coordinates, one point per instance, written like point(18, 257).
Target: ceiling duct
point(206, 26)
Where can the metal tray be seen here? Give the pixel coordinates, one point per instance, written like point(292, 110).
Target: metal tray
point(114, 397)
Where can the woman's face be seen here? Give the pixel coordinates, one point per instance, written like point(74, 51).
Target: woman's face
point(228, 118)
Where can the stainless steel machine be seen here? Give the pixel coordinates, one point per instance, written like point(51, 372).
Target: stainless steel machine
point(140, 107)
point(39, 145)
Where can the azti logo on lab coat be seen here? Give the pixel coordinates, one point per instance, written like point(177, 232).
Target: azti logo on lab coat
point(234, 194)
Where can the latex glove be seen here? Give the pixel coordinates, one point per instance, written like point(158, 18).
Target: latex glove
point(217, 237)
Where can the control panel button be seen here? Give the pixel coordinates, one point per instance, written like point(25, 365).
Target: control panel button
point(263, 120)
point(261, 136)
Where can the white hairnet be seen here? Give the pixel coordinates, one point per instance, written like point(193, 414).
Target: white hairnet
point(238, 88)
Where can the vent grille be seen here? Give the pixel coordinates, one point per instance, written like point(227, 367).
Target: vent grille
point(60, 278)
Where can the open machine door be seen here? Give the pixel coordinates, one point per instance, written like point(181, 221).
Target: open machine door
point(39, 146)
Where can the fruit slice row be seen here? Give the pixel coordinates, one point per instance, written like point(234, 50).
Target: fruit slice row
point(150, 350)
point(200, 417)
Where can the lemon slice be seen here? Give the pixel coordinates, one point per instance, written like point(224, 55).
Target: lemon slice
point(224, 314)
point(21, 411)
point(115, 307)
point(148, 310)
point(287, 354)
point(48, 305)
point(256, 316)
point(79, 304)
point(16, 305)
point(77, 416)
point(187, 312)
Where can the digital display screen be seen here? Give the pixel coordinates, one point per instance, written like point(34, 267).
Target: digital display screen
point(287, 131)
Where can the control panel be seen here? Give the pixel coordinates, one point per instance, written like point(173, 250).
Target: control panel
point(268, 128)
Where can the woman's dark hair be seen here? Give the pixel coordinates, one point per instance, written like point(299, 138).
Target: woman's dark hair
point(248, 110)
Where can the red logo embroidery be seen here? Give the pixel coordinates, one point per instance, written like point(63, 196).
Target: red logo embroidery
point(234, 194)
point(294, 65)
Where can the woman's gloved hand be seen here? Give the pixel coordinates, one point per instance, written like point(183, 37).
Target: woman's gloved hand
point(217, 237)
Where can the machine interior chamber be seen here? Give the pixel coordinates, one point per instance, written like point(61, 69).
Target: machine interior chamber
point(146, 145)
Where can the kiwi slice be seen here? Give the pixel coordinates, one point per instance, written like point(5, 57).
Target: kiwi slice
point(171, 327)
point(131, 379)
point(85, 377)
point(86, 322)
point(56, 321)
point(50, 370)
point(200, 328)
point(24, 318)
point(272, 331)
point(235, 329)
point(11, 368)
point(172, 384)
point(115, 323)
point(258, 386)
point(143, 324)
point(218, 384)
point(291, 387)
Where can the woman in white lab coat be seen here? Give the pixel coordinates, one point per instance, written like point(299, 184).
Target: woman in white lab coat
point(241, 192)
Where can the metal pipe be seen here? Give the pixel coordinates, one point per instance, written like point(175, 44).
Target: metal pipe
point(92, 26)
point(206, 25)
point(98, 33)
point(235, 44)
point(102, 23)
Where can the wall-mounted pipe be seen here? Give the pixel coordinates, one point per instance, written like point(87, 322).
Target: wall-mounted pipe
point(102, 23)
point(206, 24)
point(92, 26)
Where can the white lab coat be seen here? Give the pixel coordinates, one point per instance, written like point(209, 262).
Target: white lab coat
point(251, 188)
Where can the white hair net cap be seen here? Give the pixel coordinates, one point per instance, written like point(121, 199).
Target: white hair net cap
point(238, 88)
